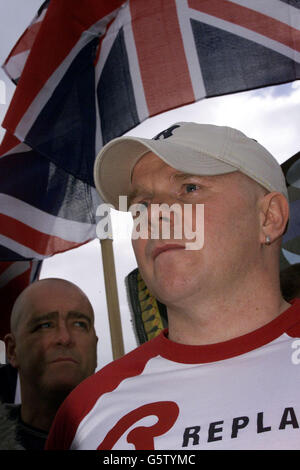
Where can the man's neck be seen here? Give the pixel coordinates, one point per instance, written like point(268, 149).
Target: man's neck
point(39, 413)
point(209, 320)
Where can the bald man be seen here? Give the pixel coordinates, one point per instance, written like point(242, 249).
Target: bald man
point(53, 345)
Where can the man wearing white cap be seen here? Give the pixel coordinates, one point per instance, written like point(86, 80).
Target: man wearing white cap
point(225, 375)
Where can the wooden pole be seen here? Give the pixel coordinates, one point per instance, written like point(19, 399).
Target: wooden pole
point(112, 298)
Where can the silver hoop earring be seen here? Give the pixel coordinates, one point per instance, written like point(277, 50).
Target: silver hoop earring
point(268, 240)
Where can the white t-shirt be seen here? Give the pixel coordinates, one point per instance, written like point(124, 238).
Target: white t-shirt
point(239, 394)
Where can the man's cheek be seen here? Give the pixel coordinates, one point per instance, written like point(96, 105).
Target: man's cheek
point(140, 249)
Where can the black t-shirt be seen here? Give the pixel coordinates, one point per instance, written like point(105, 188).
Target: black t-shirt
point(29, 437)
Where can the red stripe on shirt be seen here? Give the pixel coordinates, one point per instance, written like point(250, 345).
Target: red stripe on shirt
point(82, 400)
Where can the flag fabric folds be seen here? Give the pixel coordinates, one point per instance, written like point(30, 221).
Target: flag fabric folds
point(90, 70)
point(15, 62)
point(14, 277)
point(97, 69)
point(44, 210)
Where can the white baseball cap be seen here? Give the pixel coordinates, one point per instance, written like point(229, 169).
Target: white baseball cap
point(200, 149)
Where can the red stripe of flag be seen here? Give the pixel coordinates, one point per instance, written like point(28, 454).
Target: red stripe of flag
point(4, 265)
point(250, 19)
point(61, 29)
point(40, 242)
point(9, 294)
point(164, 69)
point(8, 143)
point(25, 42)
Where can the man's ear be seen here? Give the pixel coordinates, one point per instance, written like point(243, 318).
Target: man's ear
point(10, 345)
point(274, 216)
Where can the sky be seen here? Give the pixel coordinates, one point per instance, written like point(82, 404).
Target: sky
point(269, 115)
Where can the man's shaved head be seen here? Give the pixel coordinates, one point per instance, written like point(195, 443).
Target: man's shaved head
point(24, 302)
point(53, 342)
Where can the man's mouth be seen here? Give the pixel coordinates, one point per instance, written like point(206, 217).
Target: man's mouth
point(64, 359)
point(161, 249)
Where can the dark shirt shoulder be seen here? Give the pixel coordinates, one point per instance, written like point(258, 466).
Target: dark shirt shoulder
point(8, 383)
point(29, 437)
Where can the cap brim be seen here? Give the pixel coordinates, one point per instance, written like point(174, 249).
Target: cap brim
point(115, 162)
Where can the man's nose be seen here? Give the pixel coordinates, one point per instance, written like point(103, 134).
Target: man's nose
point(164, 219)
point(64, 335)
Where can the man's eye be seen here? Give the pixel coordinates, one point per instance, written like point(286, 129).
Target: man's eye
point(143, 204)
point(81, 324)
point(43, 326)
point(135, 204)
point(191, 187)
point(138, 208)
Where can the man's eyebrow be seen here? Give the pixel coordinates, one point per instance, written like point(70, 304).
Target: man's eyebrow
point(131, 196)
point(182, 176)
point(51, 315)
point(79, 315)
point(136, 192)
point(43, 317)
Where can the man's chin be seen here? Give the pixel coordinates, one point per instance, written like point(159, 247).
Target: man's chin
point(169, 296)
point(62, 385)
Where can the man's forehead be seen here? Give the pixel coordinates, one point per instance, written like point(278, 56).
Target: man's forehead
point(144, 184)
point(50, 293)
point(150, 164)
point(47, 296)
point(148, 160)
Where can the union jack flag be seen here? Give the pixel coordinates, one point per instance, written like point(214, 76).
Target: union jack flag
point(14, 277)
point(44, 210)
point(96, 71)
point(90, 70)
point(15, 62)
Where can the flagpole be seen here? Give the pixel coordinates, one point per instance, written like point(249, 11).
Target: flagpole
point(112, 298)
